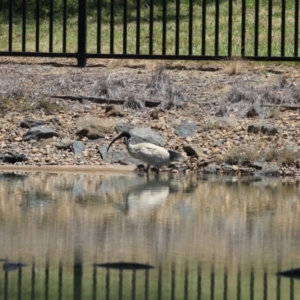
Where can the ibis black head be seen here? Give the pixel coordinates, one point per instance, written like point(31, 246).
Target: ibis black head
point(124, 134)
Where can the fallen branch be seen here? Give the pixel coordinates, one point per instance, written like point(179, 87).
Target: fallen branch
point(288, 107)
point(99, 100)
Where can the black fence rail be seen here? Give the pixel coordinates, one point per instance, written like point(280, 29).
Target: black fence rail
point(180, 29)
point(162, 282)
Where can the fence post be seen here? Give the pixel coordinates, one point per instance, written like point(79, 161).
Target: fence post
point(82, 29)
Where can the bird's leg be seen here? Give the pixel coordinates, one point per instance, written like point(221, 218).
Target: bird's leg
point(147, 169)
point(156, 170)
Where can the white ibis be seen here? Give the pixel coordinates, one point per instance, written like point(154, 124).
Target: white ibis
point(149, 153)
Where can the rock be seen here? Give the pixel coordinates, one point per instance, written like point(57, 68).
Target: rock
point(270, 169)
point(63, 144)
point(187, 128)
point(120, 127)
point(114, 111)
point(117, 156)
point(254, 128)
point(211, 169)
point(269, 130)
point(78, 147)
point(39, 132)
point(252, 112)
point(265, 129)
point(29, 123)
point(141, 134)
point(256, 165)
point(221, 112)
point(193, 150)
point(94, 128)
point(12, 157)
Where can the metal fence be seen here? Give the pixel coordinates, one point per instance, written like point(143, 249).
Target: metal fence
point(173, 283)
point(265, 30)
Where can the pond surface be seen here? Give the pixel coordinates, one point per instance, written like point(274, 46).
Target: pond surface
point(207, 238)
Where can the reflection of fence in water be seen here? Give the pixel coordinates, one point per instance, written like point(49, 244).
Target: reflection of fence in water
point(199, 281)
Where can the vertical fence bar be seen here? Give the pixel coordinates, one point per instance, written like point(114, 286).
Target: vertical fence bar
point(146, 284)
point(60, 274)
point(256, 24)
point(94, 288)
point(112, 26)
point(51, 26)
point(47, 281)
point(186, 282)
point(283, 28)
point(37, 26)
point(212, 282)
point(252, 284)
point(278, 288)
point(64, 44)
point(24, 13)
point(19, 283)
point(120, 284)
point(99, 21)
point(173, 285)
point(125, 5)
point(270, 13)
point(230, 12)
point(203, 41)
point(217, 26)
point(10, 25)
point(238, 289)
point(133, 285)
point(107, 284)
point(5, 285)
point(151, 12)
point(296, 38)
point(265, 285)
point(138, 26)
point(164, 27)
point(199, 282)
point(177, 26)
point(159, 283)
point(292, 289)
point(33, 281)
point(243, 28)
point(225, 282)
point(191, 18)
point(82, 29)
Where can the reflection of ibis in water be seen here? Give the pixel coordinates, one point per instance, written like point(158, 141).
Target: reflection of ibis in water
point(146, 196)
point(149, 153)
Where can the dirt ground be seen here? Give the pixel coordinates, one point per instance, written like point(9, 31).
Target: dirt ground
point(185, 90)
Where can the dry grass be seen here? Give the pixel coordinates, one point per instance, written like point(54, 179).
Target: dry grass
point(245, 96)
point(165, 90)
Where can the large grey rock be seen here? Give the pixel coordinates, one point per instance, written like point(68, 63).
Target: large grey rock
point(269, 130)
point(269, 169)
point(29, 123)
point(94, 128)
point(141, 134)
point(78, 147)
point(265, 129)
point(186, 128)
point(146, 135)
point(193, 150)
point(120, 127)
point(39, 132)
point(65, 143)
point(117, 156)
point(211, 169)
point(12, 157)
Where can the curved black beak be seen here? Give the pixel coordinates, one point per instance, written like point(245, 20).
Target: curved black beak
point(115, 139)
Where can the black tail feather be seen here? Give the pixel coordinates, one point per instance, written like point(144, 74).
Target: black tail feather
point(175, 156)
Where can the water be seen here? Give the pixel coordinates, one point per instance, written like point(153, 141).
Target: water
point(207, 238)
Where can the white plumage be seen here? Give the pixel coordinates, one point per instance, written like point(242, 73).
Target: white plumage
point(149, 153)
